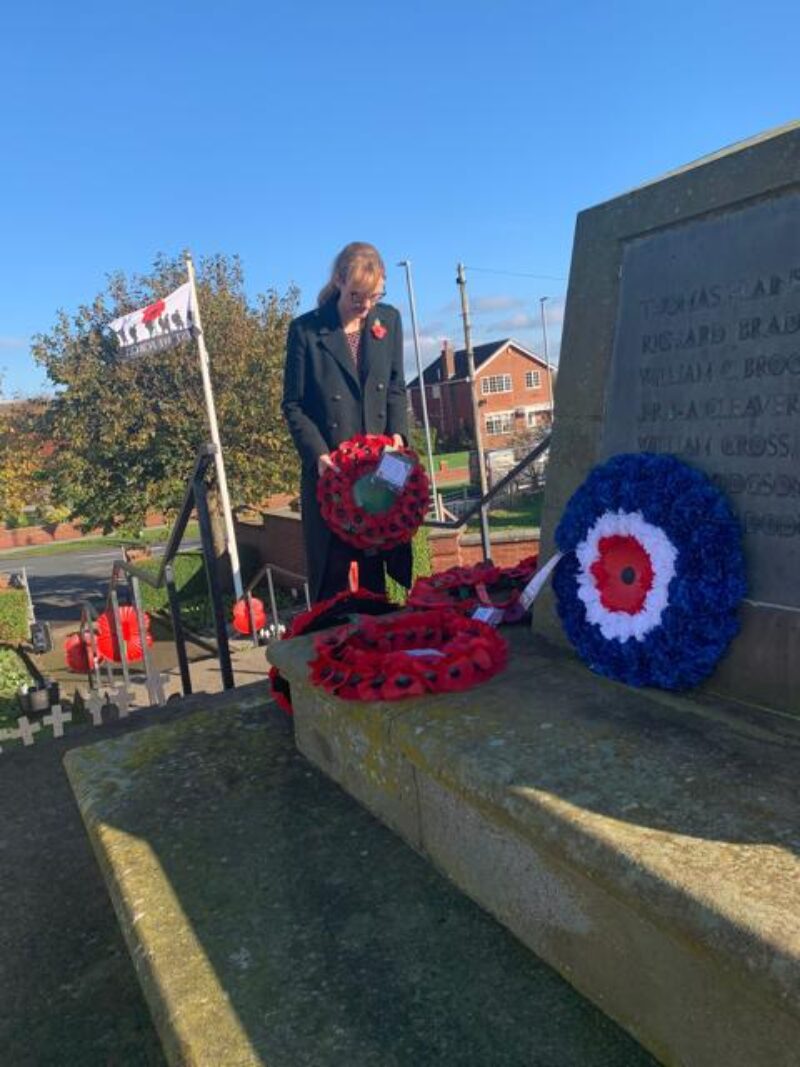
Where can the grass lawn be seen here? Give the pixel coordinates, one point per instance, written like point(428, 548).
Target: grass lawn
point(524, 511)
point(153, 535)
point(454, 460)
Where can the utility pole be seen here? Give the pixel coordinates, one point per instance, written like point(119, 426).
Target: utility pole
point(425, 423)
point(461, 281)
point(542, 301)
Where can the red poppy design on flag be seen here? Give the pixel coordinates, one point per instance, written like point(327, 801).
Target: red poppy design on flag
point(153, 311)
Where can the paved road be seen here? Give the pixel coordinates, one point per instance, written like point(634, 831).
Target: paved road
point(60, 583)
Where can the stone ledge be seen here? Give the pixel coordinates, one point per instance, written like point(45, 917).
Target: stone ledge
point(272, 921)
point(643, 844)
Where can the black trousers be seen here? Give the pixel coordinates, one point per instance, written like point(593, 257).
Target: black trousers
point(335, 579)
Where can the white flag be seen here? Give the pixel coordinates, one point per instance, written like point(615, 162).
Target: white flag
point(161, 325)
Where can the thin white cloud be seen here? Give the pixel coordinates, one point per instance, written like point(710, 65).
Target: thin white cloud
point(13, 342)
point(482, 305)
point(514, 322)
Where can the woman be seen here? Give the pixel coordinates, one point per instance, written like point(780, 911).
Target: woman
point(344, 375)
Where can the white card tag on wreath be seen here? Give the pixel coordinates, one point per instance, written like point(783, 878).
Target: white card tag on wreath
point(486, 613)
point(394, 469)
point(423, 652)
point(535, 585)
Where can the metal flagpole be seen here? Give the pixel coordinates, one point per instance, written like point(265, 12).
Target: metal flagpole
point(230, 536)
point(425, 423)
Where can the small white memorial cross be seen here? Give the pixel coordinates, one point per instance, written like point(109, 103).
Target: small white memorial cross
point(26, 729)
point(56, 719)
point(93, 701)
point(122, 698)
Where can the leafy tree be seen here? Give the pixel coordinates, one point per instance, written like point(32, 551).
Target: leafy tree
point(126, 432)
point(23, 483)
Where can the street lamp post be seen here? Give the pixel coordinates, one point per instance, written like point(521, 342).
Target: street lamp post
point(542, 301)
point(461, 281)
point(425, 422)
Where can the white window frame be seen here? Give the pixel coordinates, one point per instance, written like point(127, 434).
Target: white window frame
point(533, 379)
point(496, 383)
point(506, 420)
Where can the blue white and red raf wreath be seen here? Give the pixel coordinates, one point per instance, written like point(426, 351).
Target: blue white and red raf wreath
point(652, 571)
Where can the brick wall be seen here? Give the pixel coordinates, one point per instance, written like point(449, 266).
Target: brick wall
point(25, 536)
point(278, 538)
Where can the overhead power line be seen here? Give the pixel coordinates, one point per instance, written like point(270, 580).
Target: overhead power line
point(516, 273)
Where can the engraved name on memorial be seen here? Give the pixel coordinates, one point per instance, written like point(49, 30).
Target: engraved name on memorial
point(706, 365)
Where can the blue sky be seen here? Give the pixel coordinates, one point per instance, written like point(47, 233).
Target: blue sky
point(440, 131)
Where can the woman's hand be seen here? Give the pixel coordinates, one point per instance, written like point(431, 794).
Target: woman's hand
point(397, 440)
point(325, 463)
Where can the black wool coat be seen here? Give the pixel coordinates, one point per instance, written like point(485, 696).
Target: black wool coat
point(327, 399)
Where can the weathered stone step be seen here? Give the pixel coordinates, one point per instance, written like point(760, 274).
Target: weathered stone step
point(644, 845)
point(273, 921)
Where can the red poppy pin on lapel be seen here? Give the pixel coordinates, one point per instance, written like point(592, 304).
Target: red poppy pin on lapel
point(378, 330)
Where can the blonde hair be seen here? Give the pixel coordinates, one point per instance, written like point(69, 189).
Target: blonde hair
point(357, 262)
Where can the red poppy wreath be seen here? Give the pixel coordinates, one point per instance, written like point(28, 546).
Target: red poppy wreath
point(414, 653)
point(322, 616)
point(364, 511)
point(466, 588)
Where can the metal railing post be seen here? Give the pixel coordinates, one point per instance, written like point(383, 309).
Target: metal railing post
point(177, 628)
point(122, 644)
point(273, 603)
point(154, 688)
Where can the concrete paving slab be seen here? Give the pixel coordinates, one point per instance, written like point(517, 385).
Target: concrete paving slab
point(273, 921)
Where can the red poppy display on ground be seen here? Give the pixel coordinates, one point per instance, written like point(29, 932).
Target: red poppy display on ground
point(241, 615)
point(466, 588)
point(78, 653)
point(366, 515)
point(107, 643)
point(324, 614)
point(416, 652)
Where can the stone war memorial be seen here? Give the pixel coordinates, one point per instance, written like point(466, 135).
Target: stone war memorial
point(643, 842)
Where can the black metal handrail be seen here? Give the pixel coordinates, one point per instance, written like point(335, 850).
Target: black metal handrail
point(516, 470)
point(195, 500)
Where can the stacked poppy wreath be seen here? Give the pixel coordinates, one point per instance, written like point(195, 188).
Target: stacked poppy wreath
point(652, 571)
point(323, 615)
point(439, 651)
point(483, 584)
point(78, 647)
point(361, 511)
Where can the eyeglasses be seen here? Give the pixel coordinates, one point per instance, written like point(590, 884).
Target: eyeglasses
point(372, 298)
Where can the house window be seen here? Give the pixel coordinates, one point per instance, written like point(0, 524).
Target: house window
point(496, 383)
point(500, 423)
point(532, 418)
point(532, 379)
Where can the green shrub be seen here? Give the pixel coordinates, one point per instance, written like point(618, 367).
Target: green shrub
point(14, 624)
point(13, 675)
point(191, 584)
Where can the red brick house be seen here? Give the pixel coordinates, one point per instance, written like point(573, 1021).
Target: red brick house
point(513, 384)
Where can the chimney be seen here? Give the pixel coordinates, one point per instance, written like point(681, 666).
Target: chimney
point(448, 361)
